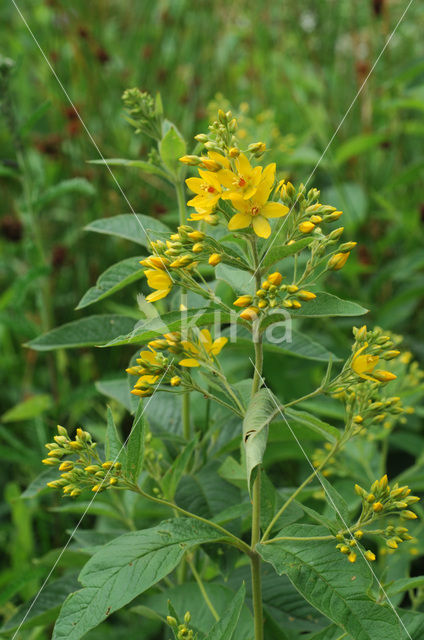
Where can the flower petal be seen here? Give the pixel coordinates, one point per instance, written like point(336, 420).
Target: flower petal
point(206, 338)
point(157, 295)
point(240, 221)
point(243, 165)
point(220, 159)
point(189, 362)
point(274, 210)
point(218, 344)
point(261, 226)
point(194, 184)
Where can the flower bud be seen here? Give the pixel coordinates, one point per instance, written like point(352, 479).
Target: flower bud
point(196, 235)
point(306, 227)
point(383, 376)
point(336, 233)
point(214, 259)
point(306, 295)
point(377, 507)
point(251, 314)
point(315, 219)
point(198, 247)
point(201, 137)
point(352, 557)
point(275, 278)
point(191, 161)
point(292, 288)
point(234, 152)
point(370, 556)
point(347, 246)
point(337, 261)
point(243, 301)
point(408, 515)
point(175, 381)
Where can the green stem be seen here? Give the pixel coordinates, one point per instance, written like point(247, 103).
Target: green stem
point(298, 538)
point(255, 559)
point(203, 590)
point(232, 539)
point(182, 209)
point(308, 395)
point(298, 490)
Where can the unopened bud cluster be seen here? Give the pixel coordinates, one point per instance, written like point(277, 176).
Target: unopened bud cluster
point(143, 113)
point(273, 294)
point(182, 630)
point(80, 465)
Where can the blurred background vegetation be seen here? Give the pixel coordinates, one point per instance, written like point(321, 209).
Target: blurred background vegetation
point(290, 70)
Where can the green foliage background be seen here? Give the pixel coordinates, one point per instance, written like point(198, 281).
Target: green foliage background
point(298, 66)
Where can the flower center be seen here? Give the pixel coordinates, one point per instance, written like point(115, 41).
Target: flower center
point(254, 211)
point(208, 188)
point(241, 182)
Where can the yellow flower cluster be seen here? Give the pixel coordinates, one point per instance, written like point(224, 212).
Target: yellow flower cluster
point(379, 501)
point(153, 367)
point(247, 188)
point(273, 293)
point(80, 464)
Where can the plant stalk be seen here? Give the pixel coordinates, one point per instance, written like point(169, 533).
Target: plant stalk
point(182, 209)
point(255, 560)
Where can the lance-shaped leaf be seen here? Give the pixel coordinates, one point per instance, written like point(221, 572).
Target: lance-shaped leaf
point(334, 586)
point(262, 408)
point(131, 226)
point(126, 567)
point(171, 148)
point(112, 280)
point(135, 445)
point(225, 627)
point(277, 252)
point(146, 167)
point(86, 332)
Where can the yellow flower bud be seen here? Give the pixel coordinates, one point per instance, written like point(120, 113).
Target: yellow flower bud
point(196, 235)
point(66, 466)
point(275, 278)
point(243, 301)
point(214, 259)
point(192, 161)
point(337, 261)
point(377, 507)
point(352, 557)
point(75, 492)
point(51, 461)
point(198, 247)
point(370, 556)
point(389, 355)
point(296, 304)
point(383, 481)
point(262, 304)
point(209, 164)
point(358, 419)
point(408, 515)
point(383, 376)
point(175, 381)
point(113, 481)
point(292, 288)
point(344, 549)
point(306, 295)
point(335, 215)
point(74, 444)
point(358, 534)
point(392, 544)
point(306, 227)
point(251, 313)
point(234, 152)
point(315, 219)
point(107, 465)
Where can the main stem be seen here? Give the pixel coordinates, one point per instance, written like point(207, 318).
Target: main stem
point(182, 209)
point(255, 560)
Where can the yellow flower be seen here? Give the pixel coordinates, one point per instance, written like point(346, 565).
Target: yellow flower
point(244, 181)
point(159, 280)
point(205, 345)
point(147, 358)
point(364, 364)
point(207, 189)
point(257, 210)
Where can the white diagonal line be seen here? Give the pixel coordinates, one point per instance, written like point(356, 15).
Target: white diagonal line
point(331, 500)
point(83, 123)
point(86, 510)
point(338, 127)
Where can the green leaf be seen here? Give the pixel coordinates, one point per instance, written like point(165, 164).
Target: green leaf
point(297, 344)
point(146, 167)
point(351, 198)
point(205, 492)
point(306, 419)
point(125, 568)
point(40, 483)
point(334, 586)
point(336, 501)
point(240, 281)
point(118, 389)
point(113, 446)
point(135, 445)
point(405, 584)
point(86, 332)
point(325, 305)
point(131, 226)
point(171, 148)
point(279, 251)
point(225, 627)
point(80, 186)
point(44, 608)
point(113, 279)
point(176, 471)
point(29, 408)
point(358, 145)
point(149, 329)
point(261, 410)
